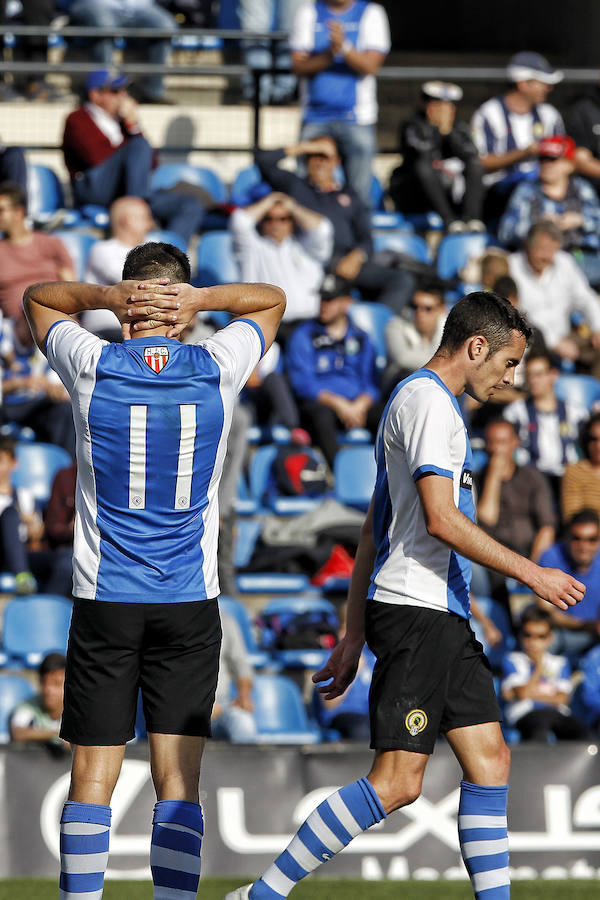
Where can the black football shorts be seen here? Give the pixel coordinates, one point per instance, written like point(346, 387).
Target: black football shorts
point(431, 675)
point(169, 650)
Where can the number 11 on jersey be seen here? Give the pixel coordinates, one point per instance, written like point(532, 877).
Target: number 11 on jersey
point(138, 416)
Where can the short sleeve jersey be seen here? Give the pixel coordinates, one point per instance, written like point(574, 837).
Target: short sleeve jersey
point(152, 418)
point(422, 432)
point(339, 92)
point(497, 130)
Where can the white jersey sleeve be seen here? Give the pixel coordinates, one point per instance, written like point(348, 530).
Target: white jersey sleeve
point(374, 32)
point(237, 348)
point(426, 425)
point(302, 34)
point(71, 350)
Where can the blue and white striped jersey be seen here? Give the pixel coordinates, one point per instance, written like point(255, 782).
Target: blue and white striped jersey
point(339, 92)
point(421, 432)
point(152, 417)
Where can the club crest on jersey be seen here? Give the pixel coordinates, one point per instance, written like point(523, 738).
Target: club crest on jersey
point(416, 722)
point(156, 357)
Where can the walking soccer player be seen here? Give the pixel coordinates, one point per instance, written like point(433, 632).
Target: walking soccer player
point(409, 597)
point(152, 417)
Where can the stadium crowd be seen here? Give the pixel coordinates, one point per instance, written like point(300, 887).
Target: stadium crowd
point(507, 202)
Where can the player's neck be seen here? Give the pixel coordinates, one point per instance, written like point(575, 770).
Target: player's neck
point(446, 368)
point(152, 332)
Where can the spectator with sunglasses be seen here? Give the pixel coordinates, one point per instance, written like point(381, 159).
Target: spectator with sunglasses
point(279, 238)
point(560, 196)
point(577, 629)
point(537, 684)
point(413, 337)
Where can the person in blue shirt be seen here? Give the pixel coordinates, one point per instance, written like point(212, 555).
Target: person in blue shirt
point(331, 367)
point(536, 684)
point(578, 628)
point(152, 420)
point(337, 47)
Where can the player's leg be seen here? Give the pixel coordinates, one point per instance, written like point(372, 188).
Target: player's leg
point(482, 825)
point(178, 680)
point(177, 826)
point(98, 720)
point(394, 780)
point(85, 821)
point(327, 830)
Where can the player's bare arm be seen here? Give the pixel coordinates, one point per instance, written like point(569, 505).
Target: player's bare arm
point(343, 662)
point(445, 522)
point(49, 302)
point(264, 303)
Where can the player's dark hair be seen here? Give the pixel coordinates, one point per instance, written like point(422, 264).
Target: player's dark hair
point(584, 517)
point(506, 286)
point(14, 192)
point(484, 313)
point(534, 613)
point(53, 662)
point(585, 433)
point(157, 260)
point(8, 445)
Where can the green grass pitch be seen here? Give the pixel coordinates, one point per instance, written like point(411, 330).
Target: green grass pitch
point(319, 889)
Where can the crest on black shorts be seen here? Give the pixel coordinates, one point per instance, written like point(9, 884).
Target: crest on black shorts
point(156, 357)
point(416, 722)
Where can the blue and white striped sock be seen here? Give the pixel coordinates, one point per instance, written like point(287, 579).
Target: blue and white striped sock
point(483, 837)
point(328, 829)
point(175, 850)
point(84, 834)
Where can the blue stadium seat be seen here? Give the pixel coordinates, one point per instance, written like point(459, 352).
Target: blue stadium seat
point(455, 250)
point(354, 473)
point(247, 532)
point(381, 220)
point(216, 262)
point(34, 626)
point(14, 689)
point(272, 583)
point(259, 658)
point(403, 242)
point(279, 712)
point(262, 485)
point(373, 318)
point(480, 459)
point(583, 390)
point(303, 604)
point(355, 436)
point(248, 187)
point(167, 175)
point(37, 465)
point(427, 221)
point(79, 244)
point(45, 197)
point(166, 237)
point(376, 194)
point(93, 214)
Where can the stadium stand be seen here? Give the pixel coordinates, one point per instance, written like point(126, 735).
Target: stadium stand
point(34, 626)
point(14, 689)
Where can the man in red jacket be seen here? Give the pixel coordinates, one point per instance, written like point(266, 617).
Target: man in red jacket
point(108, 157)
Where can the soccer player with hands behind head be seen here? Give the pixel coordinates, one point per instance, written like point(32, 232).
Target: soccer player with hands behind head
point(409, 598)
point(152, 417)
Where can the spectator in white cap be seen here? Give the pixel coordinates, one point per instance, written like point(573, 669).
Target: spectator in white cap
point(440, 168)
point(507, 129)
